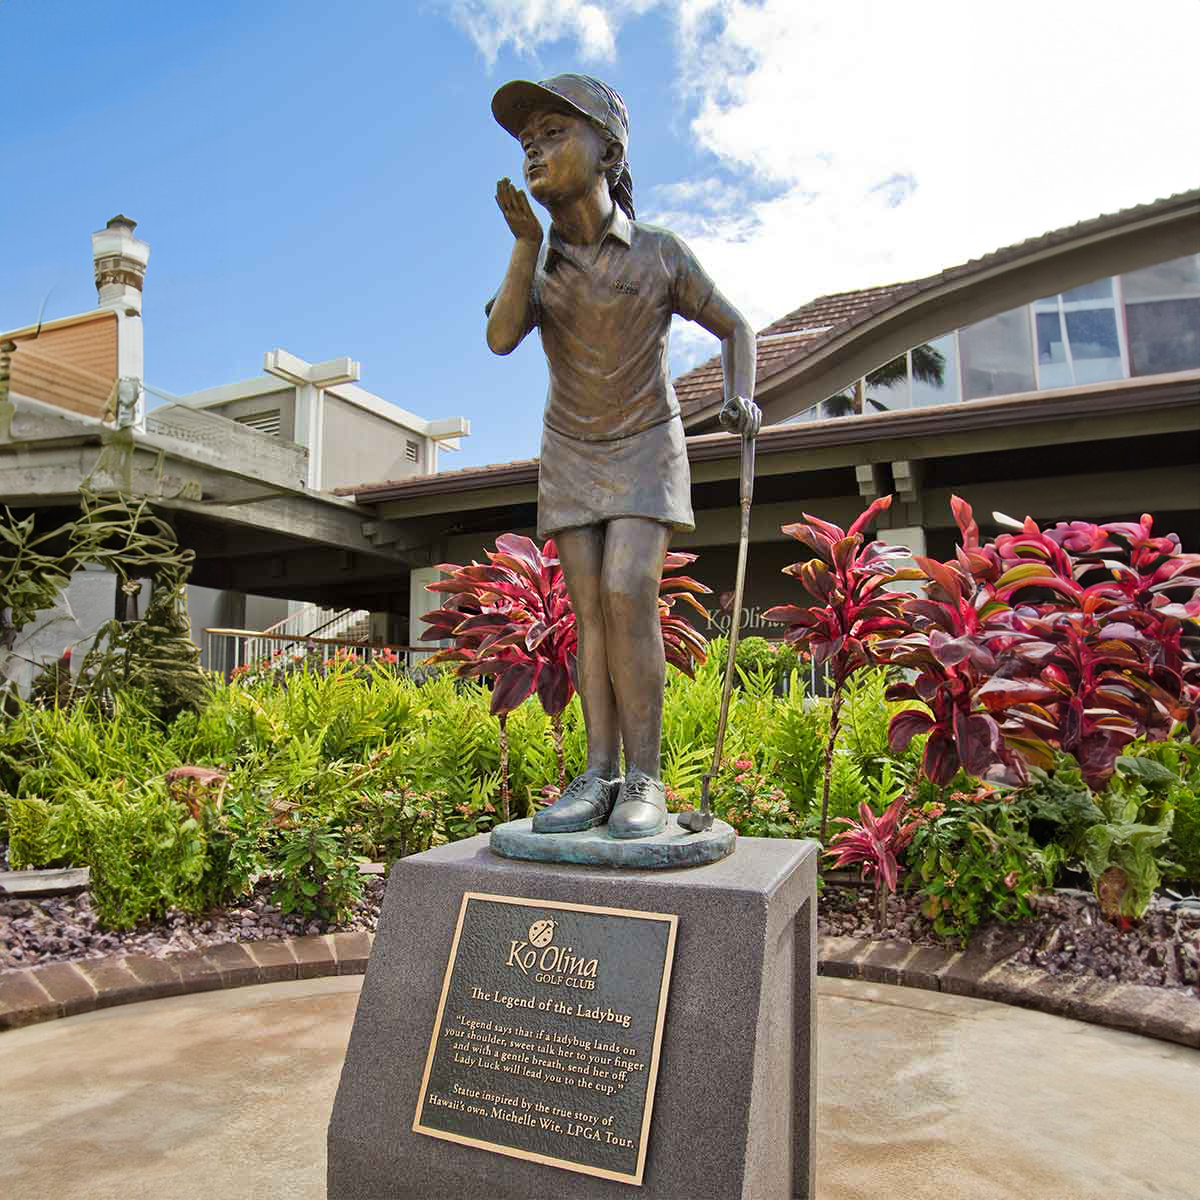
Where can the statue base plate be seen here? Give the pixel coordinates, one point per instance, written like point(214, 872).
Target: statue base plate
point(674, 847)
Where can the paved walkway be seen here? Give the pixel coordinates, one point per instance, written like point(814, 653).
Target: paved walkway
point(226, 1094)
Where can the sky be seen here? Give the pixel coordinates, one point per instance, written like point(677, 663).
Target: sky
point(320, 177)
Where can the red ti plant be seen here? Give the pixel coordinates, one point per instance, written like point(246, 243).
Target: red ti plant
point(511, 619)
point(955, 633)
point(1015, 655)
point(1108, 648)
point(1146, 582)
point(875, 843)
point(685, 648)
point(851, 606)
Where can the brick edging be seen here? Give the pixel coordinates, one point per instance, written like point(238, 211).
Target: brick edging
point(1163, 1013)
point(64, 989)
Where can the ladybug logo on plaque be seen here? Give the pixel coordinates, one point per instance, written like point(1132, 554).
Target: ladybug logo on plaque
point(548, 1032)
point(540, 933)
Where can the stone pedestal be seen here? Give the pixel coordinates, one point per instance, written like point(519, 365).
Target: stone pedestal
point(734, 1111)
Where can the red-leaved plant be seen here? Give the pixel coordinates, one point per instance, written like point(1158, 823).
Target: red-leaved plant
point(511, 619)
point(1083, 654)
point(955, 632)
point(874, 844)
point(1146, 582)
point(847, 581)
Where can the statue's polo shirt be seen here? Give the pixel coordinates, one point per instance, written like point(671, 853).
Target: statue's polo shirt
point(604, 324)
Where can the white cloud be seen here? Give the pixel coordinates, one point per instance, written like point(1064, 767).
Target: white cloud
point(526, 25)
point(893, 140)
point(870, 141)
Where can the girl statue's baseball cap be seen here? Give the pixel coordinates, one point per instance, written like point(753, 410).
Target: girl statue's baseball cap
point(579, 95)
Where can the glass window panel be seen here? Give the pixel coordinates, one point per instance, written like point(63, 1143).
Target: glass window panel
point(997, 356)
point(1094, 345)
point(1100, 290)
point(1053, 369)
point(841, 405)
point(935, 372)
point(887, 387)
point(1178, 278)
point(1163, 336)
point(1046, 304)
point(803, 418)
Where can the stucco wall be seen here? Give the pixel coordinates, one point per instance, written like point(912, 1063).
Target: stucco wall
point(360, 447)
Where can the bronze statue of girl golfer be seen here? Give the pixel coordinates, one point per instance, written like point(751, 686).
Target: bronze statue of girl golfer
point(614, 480)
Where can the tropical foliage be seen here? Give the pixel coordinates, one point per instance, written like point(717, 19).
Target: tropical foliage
point(129, 539)
point(874, 844)
point(1026, 719)
point(847, 578)
point(1022, 647)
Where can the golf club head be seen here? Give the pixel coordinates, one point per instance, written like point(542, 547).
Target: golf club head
point(693, 821)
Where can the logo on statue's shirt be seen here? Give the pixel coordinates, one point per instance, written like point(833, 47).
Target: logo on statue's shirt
point(626, 289)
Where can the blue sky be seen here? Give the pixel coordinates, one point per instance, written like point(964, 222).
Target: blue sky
point(319, 176)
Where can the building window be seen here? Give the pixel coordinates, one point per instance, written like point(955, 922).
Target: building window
point(997, 356)
point(264, 422)
point(934, 372)
point(1079, 337)
point(412, 451)
point(1162, 313)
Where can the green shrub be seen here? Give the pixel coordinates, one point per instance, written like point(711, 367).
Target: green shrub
point(1181, 794)
point(795, 738)
point(754, 654)
point(752, 803)
point(144, 859)
point(316, 878)
point(977, 861)
point(1185, 835)
point(1059, 808)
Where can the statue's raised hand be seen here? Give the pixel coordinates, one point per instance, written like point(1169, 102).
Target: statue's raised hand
point(514, 204)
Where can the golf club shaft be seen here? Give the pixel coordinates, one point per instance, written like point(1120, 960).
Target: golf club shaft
point(745, 497)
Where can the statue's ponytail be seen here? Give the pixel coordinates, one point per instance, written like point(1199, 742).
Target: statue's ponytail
point(620, 188)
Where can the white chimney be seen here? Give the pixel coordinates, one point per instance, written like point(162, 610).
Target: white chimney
point(120, 261)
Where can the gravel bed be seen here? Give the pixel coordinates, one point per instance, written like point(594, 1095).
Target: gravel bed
point(1067, 936)
point(60, 928)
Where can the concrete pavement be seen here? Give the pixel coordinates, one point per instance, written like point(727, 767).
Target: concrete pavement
point(922, 1094)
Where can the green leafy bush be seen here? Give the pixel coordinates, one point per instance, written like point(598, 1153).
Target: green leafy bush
point(751, 803)
point(315, 876)
point(1177, 786)
point(144, 858)
point(977, 861)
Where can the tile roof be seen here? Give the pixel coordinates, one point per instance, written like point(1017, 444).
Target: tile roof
point(790, 339)
point(786, 340)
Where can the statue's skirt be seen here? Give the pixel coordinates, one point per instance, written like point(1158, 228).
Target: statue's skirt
point(589, 482)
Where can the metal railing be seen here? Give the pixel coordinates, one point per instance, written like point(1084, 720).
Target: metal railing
point(230, 650)
point(315, 621)
point(297, 628)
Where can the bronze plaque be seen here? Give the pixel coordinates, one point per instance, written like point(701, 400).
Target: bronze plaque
point(548, 1031)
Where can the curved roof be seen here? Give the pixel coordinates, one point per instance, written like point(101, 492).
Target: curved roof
point(825, 345)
